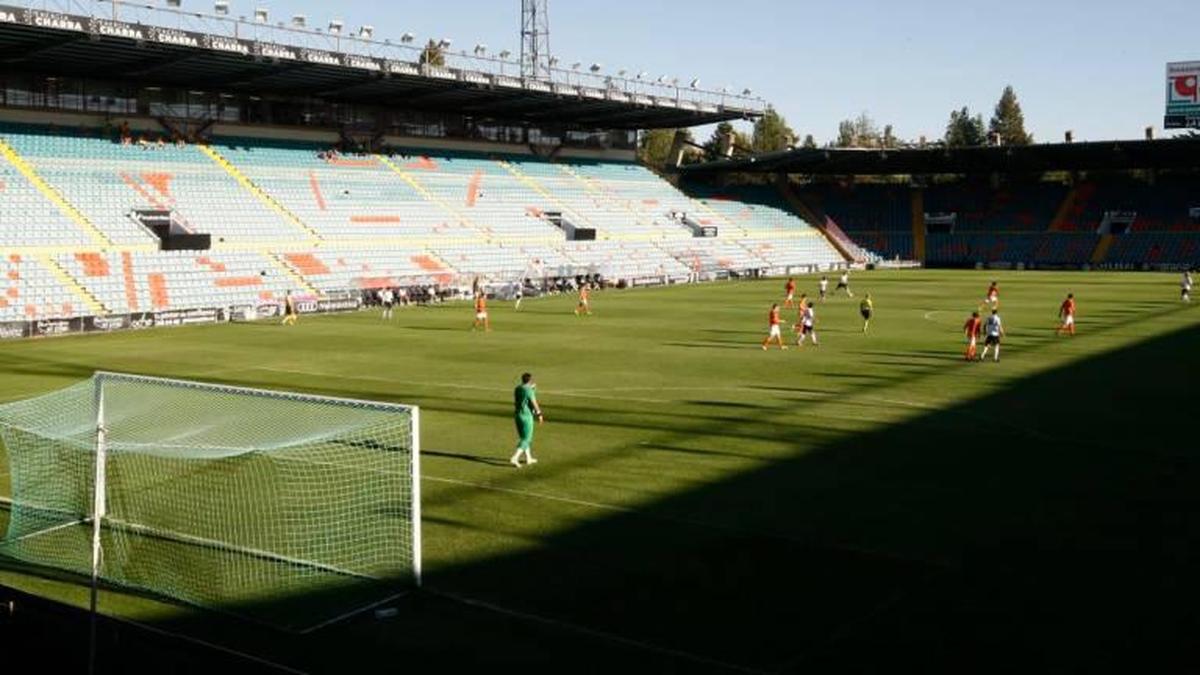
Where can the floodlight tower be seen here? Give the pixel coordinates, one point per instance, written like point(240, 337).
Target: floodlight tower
point(535, 39)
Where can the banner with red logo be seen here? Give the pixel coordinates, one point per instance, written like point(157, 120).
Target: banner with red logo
point(1183, 95)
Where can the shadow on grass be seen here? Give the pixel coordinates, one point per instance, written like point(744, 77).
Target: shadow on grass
point(924, 546)
point(476, 459)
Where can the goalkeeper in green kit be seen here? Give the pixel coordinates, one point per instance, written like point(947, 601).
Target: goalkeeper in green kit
point(525, 400)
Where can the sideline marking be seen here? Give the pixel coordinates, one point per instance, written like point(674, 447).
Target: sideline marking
point(210, 645)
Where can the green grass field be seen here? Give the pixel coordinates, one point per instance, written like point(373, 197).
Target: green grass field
point(702, 506)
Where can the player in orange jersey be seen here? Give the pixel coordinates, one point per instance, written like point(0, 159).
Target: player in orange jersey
point(790, 293)
point(1066, 312)
point(992, 299)
point(972, 328)
point(774, 333)
point(481, 314)
point(584, 305)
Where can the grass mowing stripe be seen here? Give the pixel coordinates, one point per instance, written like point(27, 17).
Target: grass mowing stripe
point(452, 385)
point(886, 442)
point(699, 524)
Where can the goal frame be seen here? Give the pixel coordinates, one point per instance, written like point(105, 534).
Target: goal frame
point(99, 519)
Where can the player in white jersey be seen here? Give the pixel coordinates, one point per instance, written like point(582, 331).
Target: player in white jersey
point(844, 283)
point(808, 323)
point(823, 286)
point(1185, 287)
point(388, 299)
point(993, 331)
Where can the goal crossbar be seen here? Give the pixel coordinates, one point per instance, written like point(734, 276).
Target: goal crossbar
point(341, 501)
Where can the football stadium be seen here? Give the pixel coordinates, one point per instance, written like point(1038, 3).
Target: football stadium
point(334, 348)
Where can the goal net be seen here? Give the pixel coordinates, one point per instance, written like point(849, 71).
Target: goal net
point(289, 509)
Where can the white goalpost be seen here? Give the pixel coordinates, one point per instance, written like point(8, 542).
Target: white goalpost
point(288, 509)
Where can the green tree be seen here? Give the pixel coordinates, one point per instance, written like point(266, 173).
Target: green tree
point(810, 143)
point(654, 147)
point(712, 147)
point(846, 137)
point(965, 130)
point(433, 55)
point(772, 133)
point(888, 140)
point(1008, 122)
point(863, 132)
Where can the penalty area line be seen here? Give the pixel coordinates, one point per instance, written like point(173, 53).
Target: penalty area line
point(595, 633)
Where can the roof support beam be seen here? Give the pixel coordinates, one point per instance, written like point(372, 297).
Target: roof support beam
point(25, 53)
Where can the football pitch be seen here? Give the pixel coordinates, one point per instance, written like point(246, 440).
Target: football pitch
point(704, 506)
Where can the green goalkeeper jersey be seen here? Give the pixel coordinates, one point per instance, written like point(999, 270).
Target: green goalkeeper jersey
point(525, 400)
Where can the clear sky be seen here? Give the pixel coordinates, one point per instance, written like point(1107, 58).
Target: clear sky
point(1094, 66)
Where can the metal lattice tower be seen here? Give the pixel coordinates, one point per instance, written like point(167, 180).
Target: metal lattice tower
point(535, 39)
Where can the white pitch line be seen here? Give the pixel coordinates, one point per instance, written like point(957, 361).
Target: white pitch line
point(699, 524)
point(530, 494)
point(209, 645)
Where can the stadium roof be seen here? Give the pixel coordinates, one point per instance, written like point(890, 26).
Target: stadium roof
point(242, 57)
point(1179, 153)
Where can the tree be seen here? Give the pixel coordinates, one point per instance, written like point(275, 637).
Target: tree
point(846, 137)
point(433, 54)
point(965, 130)
point(810, 143)
point(772, 133)
point(863, 132)
point(654, 147)
point(888, 140)
point(712, 147)
point(1008, 122)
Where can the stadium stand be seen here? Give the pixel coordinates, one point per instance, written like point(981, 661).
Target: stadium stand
point(32, 291)
point(1010, 208)
point(106, 181)
point(1046, 224)
point(297, 215)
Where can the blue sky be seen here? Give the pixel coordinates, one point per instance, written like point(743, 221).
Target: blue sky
point(1093, 66)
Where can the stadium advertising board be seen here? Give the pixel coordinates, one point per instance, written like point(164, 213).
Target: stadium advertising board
point(15, 330)
point(193, 40)
point(1183, 95)
point(187, 317)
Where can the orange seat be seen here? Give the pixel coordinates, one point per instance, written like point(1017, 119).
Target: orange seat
point(94, 264)
point(158, 290)
point(307, 263)
point(423, 164)
point(238, 282)
point(130, 283)
point(375, 219)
